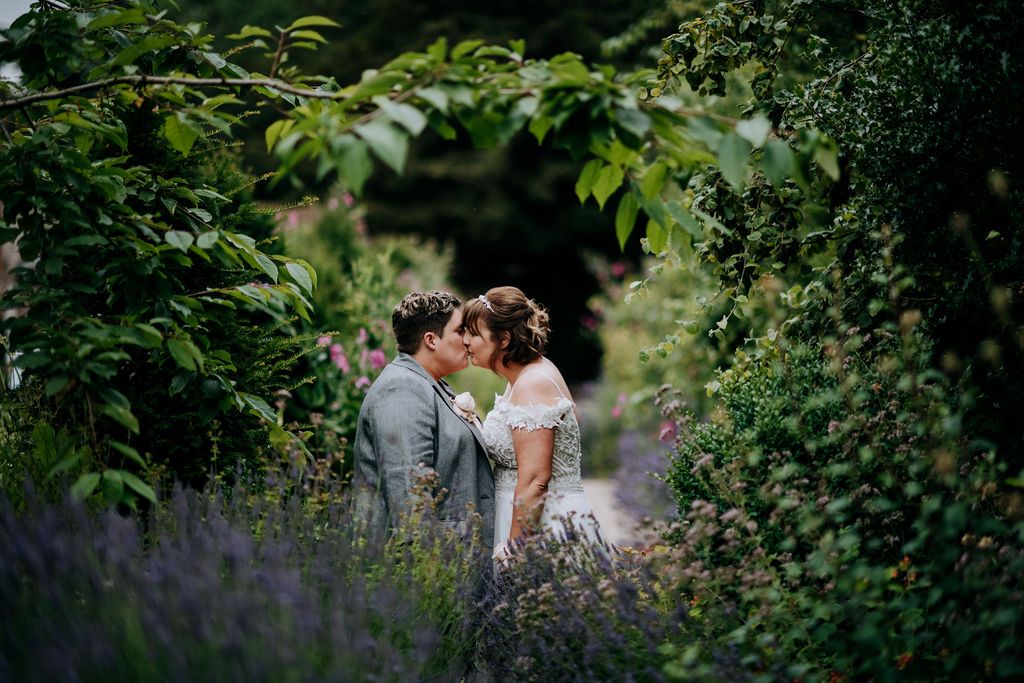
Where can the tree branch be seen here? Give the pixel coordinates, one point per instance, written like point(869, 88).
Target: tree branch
point(271, 83)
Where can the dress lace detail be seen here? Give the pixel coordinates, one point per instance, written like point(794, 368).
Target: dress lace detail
point(565, 460)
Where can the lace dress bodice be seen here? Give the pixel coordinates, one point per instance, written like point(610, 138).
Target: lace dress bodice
point(565, 460)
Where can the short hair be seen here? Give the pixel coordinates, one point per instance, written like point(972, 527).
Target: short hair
point(419, 313)
point(507, 309)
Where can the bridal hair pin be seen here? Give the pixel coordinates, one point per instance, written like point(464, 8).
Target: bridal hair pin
point(486, 303)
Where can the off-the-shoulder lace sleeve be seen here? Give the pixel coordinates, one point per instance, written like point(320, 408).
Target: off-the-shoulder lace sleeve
point(533, 417)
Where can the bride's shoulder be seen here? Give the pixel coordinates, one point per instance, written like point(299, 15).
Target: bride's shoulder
point(538, 385)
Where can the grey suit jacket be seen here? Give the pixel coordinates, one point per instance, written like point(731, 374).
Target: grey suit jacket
point(408, 419)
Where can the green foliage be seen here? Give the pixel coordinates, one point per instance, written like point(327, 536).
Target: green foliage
point(145, 312)
point(834, 520)
point(360, 281)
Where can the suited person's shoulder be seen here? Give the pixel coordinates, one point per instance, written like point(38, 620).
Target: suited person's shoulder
point(398, 378)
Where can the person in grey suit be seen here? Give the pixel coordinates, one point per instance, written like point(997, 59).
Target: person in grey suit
point(409, 424)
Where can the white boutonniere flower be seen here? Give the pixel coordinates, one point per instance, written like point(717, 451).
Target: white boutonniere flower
point(466, 406)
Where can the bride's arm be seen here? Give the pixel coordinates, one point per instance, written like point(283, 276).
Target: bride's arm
point(534, 450)
point(533, 459)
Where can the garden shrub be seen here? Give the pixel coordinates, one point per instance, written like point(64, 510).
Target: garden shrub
point(834, 521)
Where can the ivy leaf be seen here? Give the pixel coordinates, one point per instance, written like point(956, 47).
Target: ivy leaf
point(389, 144)
point(587, 179)
point(607, 182)
point(625, 218)
point(732, 159)
point(181, 132)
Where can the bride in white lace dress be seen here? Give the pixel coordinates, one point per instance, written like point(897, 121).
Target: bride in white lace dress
point(533, 432)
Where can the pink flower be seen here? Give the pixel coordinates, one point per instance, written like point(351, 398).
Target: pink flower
point(339, 358)
point(348, 199)
point(617, 412)
point(378, 359)
point(332, 203)
point(363, 336)
point(323, 341)
point(667, 430)
point(363, 381)
point(293, 219)
point(618, 269)
point(589, 322)
point(360, 226)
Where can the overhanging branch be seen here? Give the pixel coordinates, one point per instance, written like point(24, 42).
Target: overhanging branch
point(270, 83)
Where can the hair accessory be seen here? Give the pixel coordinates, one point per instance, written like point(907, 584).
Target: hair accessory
point(486, 303)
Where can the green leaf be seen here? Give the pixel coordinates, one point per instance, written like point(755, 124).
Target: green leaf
point(300, 276)
point(389, 143)
point(777, 162)
point(354, 163)
point(308, 35)
point(55, 384)
point(208, 240)
point(250, 31)
point(113, 486)
point(464, 48)
point(732, 159)
point(625, 218)
point(181, 132)
point(685, 219)
point(438, 49)
point(122, 415)
point(607, 182)
point(177, 238)
point(153, 336)
point(405, 115)
point(314, 20)
point(148, 44)
point(185, 353)
point(633, 121)
point(276, 131)
point(134, 15)
point(140, 487)
point(259, 407)
point(657, 237)
point(653, 180)
point(755, 130)
point(436, 97)
point(827, 157)
point(129, 452)
point(588, 177)
point(85, 485)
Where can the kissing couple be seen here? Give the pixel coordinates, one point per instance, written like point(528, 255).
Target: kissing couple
point(519, 468)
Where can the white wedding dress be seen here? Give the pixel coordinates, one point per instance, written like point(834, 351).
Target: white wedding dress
point(565, 497)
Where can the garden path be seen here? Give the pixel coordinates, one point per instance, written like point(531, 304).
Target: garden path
point(617, 526)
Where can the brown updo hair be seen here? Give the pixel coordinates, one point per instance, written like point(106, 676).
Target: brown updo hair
point(509, 310)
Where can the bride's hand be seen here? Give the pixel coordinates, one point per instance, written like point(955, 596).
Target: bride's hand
point(502, 555)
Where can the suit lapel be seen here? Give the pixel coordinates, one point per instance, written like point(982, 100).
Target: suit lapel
point(408, 362)
point(447, 400)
